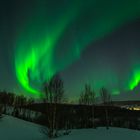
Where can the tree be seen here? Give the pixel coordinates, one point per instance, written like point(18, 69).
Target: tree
point(87, 97)
point(54, 93)
point(19, 102)
point(106, 100)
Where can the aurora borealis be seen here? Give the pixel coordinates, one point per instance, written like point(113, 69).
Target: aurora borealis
point(50, 37)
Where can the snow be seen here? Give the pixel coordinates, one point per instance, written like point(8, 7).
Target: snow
point(103, 134)
point(15, 129)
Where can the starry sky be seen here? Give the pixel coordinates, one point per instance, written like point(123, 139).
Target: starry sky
point(94, 41)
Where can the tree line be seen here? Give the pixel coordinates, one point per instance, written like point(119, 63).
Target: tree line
point(62, 116)
point(54, 96)
point(12, 104)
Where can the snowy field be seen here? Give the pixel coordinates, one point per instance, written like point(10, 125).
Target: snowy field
point(103, 134)
point(15, 129)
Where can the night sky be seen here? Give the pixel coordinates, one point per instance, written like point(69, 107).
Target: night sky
point(94, 41)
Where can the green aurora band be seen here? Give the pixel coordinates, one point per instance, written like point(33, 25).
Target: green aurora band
point(53, 37)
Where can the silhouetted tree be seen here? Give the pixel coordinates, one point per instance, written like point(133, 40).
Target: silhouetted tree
point(30, 101)
point(54, 93)
point(10, 99)
point(19, 102)
point(106, 100)
point(87, 97)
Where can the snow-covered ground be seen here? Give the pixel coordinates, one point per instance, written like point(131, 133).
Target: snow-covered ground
point(15, 129)
point(103, 134)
